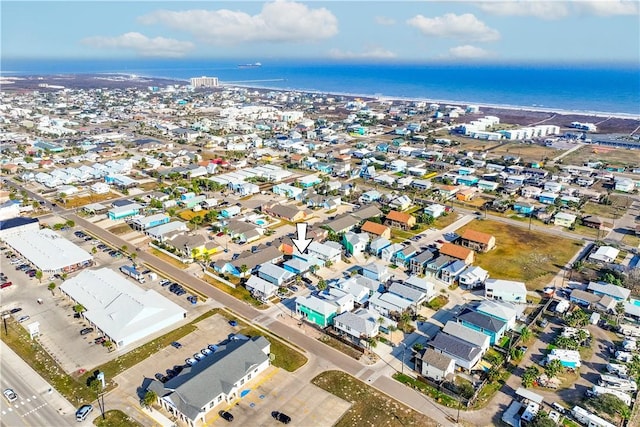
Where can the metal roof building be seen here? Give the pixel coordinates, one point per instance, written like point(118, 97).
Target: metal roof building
point(123, 311)
point(49, 251)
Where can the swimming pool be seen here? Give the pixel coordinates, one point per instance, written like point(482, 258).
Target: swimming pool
point(635, 302)
point(260, 221)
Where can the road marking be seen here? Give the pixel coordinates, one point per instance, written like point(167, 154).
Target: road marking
point(34, 410)
point(10, 409)
point(4, 412)
point(33, 397)
point(28, 400)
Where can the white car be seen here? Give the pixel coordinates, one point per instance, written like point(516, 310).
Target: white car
point(15, 261)
point(23, 319)
point(199, 356)
point(190, 361)
point(206, 351)
point(10, 395)
point(213, 347)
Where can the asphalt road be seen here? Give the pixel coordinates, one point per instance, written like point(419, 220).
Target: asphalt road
point(35, 406)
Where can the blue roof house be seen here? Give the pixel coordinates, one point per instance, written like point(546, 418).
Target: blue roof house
point(523, 208)
point(547, 198)
point(488, 325)
point(403, 256)
point(467, 180)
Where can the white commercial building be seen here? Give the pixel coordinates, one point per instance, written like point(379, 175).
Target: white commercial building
point(204, 81)
point(122, 311)
point(49, 251)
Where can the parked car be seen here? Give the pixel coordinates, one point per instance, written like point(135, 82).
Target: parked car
point(15, 310)
point(212, 347)
point(6, 285)
point(190, 361)
point(164, 282)
point(198, 356)
point(23, 319)
point(226, 415)
point(206, 351)
point(220, 234)
point(176, 344)
point(178, 368)
point(86, 331)
point(10, 395)
point(282, 417)
point(233, 323)
point(83, 412)
point(294, 288)
point(100, 340)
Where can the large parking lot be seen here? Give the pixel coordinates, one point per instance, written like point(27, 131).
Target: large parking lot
point(274, 390)
point(59, 328)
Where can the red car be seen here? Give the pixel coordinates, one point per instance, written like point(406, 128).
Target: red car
point(220, 234)
point(6, 285)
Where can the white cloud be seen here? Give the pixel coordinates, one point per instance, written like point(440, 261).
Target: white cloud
point(386, 21)
point(539, 9)
point(372, 53)
point(462, 27)
point(468, 52)
point(142, 45)
point(608, 7)
point(561, 8)
point(279, 21)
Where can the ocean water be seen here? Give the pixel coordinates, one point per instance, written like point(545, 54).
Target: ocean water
point(574, 87)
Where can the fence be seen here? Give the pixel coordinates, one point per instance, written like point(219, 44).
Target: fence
point(174, 256)
point(329, 331)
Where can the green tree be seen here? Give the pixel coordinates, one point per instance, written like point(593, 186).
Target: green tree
point(39, 275)
point(196, 221)
point(608, 404)
point(150, 397)
point(619, 310)
point(70, 223)
point(51, 287)
point(124, 248)
point(553, 368)
point(244, 269)
point(525, 334)
point(530, 376)
point(322, 284)
point(542, 420)
point(79, 308)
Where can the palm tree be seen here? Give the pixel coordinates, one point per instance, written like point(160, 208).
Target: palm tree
point(553, 368)
point(619, 310)
point(150, 397)
point(525, 334)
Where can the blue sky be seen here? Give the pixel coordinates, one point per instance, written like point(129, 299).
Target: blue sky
point(511, 30)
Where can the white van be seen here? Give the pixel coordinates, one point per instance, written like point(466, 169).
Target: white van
point(83, 412)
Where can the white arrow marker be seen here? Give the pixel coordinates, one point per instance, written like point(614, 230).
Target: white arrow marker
point(301, 243)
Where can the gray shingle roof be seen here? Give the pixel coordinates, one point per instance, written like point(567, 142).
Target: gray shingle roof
point(481, 320)
point(435, 359)
point(196, 386)
point(455, 346)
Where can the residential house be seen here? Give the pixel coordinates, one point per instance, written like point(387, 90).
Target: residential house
point(465, 354)
point(122, 212)
point(150, 221)
point(434, 210)
point(297, 266)
point(230, 211)
point(351, 286)
point(343, 223)
point(583, 298)
point(564, 219)
point(370, 197)
point(604, 254)
point(522, 207)
point(400, 220)
point(422, 284)
point(376, 230)
point(473, 277)
point(596, 222)
point(324, 252)
point(287, 212)
point(389, 252)
point(477, 240)
point(505, 290)
point(418, 264)
point(434, 365)
point(375, 271)
point(322, 310)
point(377, 245)
point(355, 243)
point(437, 264)
point(275, 274)
point(450, 272)
point(469, 335)
point(614, 291)
point(458, 252)
point(488, 325)
point(415, 296)
point(501, 310)
point(358, 326)
point(403, 256)
point(387, 303)
point(260, 288)
point(215, 380)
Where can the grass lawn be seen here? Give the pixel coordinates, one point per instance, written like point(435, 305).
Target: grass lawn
point(438, 302)
point(168, 259)
point(614, 156)
point(77, 202)
point(490, 389)
point(74, 388)
point(188, 214)
point(120, 229)
point(528, 256)
point(631, 240)
point(115, 418)
point(238, 292)
point(604, 211)
point(285, 357)
point(445, 220)
point(425, 388)
point(402, 234)
point(369, 406)
point(340, 346)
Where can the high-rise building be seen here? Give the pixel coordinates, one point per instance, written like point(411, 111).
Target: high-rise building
point(204, 81)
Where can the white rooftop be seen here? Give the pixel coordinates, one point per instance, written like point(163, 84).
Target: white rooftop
point(117, 306)
point(48, 250)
